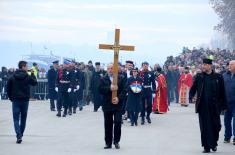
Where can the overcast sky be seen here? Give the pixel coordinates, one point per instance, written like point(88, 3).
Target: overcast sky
point(74, 28)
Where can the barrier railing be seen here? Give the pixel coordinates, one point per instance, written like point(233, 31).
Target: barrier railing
point(39, 92)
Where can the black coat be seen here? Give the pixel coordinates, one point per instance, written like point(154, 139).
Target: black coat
point(95, 82)
point(77, 79)
point(104, 88)
point(18, 86)
point(210, 102)
point(218, 97)
point(64, 75)
point(134, 100)
point(51, 75)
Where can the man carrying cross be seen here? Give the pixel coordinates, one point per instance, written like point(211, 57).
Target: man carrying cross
point(112, 87)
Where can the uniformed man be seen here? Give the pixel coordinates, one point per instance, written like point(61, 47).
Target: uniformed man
point(63, 86)
point(75, 84)
point(149, 90)
point(52, 74)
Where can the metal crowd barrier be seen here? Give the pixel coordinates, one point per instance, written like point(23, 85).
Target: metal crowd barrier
point(40, 91)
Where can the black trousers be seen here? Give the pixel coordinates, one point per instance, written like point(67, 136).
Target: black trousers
point(112, 126)
point(65, 101)
point(74, 101)
point(52, 104)
point(148, 101)
point(134, 117)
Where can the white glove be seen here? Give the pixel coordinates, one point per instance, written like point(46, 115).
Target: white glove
point(56, 89)
point(77, 87)
point(74, 90)
point(69, 90)
point(154, 95)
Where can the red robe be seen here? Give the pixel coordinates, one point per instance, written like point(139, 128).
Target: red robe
point(160, 103)
point(184, 84)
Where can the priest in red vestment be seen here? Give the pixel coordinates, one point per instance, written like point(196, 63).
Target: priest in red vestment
point(160, 104)
point(184, 84)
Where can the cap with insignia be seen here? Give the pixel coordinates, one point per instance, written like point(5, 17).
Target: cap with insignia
point(67, 62)
point(207, 61)
point(56, 62)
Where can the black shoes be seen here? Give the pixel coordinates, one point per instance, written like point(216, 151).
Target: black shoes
point(233, 141)
point(226, 140)
point(149, 120)
point(117, 146)
point(142, 121)
point(58, 114)
point(206, 151)
point(108, 146)
point(136, 124)
point(19, 140)
point(52, 109)
point(81, 108)
point(214, 149)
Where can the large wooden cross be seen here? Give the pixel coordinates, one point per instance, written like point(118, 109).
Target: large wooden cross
point(116, 48)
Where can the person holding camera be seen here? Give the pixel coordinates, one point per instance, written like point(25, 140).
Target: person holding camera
point(18, 90)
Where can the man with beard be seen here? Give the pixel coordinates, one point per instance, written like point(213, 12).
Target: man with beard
point(95, 81)
point(209, 87)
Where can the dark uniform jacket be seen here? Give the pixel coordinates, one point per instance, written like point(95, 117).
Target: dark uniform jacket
point(149, 85)
point(52, 75)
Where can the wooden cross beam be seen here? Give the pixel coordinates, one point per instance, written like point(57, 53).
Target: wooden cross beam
point(116, 48)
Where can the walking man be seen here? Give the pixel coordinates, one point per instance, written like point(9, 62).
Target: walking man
point(209, 87)
point(18, 90)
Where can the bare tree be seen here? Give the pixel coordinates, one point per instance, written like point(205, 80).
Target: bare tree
point(226, 11)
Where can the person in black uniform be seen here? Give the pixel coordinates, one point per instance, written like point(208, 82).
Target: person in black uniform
point(52, 74)
point(63, 86)
point(95, 80)
point(112, 107)
point(149, 90)
point(75, 84)
point(134, 98)
point(209, 87)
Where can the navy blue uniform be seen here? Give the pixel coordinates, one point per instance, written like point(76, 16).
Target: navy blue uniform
point(63, 82)
point(149, 88)
point(52, 75)
point(76, 81)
